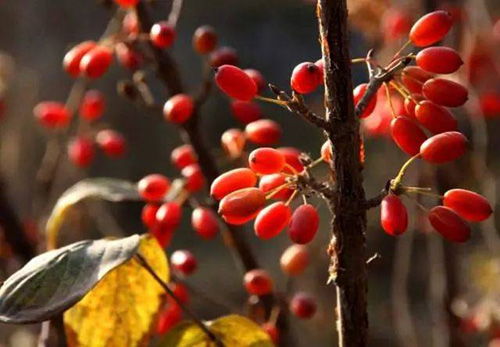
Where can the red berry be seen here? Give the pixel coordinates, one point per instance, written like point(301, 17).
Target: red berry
point(235, 82)
point(303, 305)
point(449, 224)
point(407, 135)
point(194, 177)
point(52, 114)
point(96, 62)
point(81, 152)
point(72, 59)
point(205, 223)
point(223, 56)
point(410, 104)
point(442, 60)
point(153, 187)
point(168, 319)
point(292, 158)
point(443, 148)
point(245, 111)
point(162, 35)
point(233, 141)
point(127, 3)
point(130, 24)
point(445, 92)
point(263, 132)
point(204, 39)
point(184, 262)
point(393, 215)
point(490, 104)
point(258, 282)
point(414, 78)
point(180, 292)
point(294, 260)
point(430, 28)
point(395, 23)
point(242, 205)
point(148, 215)
point(304, 224)
point(306, 77)
point(272, 331)
point(469, 205)
point(178, 108)
point(435, 118)
point(169, 214)
point(231, 181)
point(127, 56)
point(358, 93)
point(111, 142)
point(257, 77)
point(321, 65)
point(92, 105)
point(266, 160)
point(183, 156)
point(162, 233)
point(272, 220)
point(268, 183)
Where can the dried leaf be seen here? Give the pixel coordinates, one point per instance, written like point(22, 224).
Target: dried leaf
point(232, 330)
point(120, 310)
point(54, 281)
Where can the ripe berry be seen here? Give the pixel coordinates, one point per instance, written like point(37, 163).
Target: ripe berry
point(410, 104)
point(449, 224)
point(204, 39)
point(127, 3)
point(257, 77)
point(435, 118)
point(272, 220)
point(358, 93)
point(263, 132)
point(180, 291)
point(231, 181)
point(184, 262)
point(52, 114)
point(245, 111)
point(96, 62)
point(490, 104)
point(81, 151)
point(111, 142)
point(266, 160)
point(183, 156)
point(169, 214)
point(127, 56)
point(223, 56)
point(168, 319)
point(304, 224)
point(162, 233)
point(233, 141)
point(72, 59)
point(235, 82)
point(395, 23)
point(130, 24)
point(178, 108)
point(407, 135)
point(148, 215)
point(242, 205)
point(303, 305)
point(442, 60)
point(162, 35)
point(430, 28)
point(205, 223)
point(272, 331)
point(268, 183)
point(153, 187)
point(321, 64)
point(292, 158)
point(294, 260)
point(194, 177)
point(92, 105)
point(306, 77)
point(444, 147)
point(445, 92)
point(469, 205)
point(393, 215)
point(414, 77)
point(258, 282)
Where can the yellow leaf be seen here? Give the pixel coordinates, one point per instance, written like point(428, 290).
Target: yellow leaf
point(121, 308)
point(232, 331)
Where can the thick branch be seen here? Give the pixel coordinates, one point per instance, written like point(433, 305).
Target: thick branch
point(348, 245)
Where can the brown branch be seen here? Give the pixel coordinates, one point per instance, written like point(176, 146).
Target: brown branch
point(347, 248)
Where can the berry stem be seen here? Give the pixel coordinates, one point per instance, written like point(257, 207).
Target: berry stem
point(270, 100)
point(277, 189)
point(396, 182)
point(422, 191)
point(315, 163)
point(389, 100)
point(290, 199)
point(403, 47)
point(358, 60)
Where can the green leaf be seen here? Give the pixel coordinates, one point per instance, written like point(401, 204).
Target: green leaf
point(54, 281)
point(232, 330)
point(110, 189)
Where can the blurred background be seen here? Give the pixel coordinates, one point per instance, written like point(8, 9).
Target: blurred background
point(423, 291)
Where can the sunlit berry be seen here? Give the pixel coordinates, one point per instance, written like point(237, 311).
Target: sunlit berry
point(469, 205)
point(269, 183)
point(358, 94)
point(445, 92)
point(194, 177)
point(168, 318)
point(263, 132)
point(395, 24)
point(292, 158)
point(183, 156)
point(204, 39)
point(441, 60)
point(266, 160)
point(178, 108)
point(169, 214)
point(235, 82)
point(162, 233)
point(393, 215)
point(303, 305)
point(184, 262)
point(435, 118)
point(258, 282)
point(411, 103)
point(272, 220)
point(294, 260)
point(304, 224)
point(407, 134)
point(148, 215)
point(52, 114)
point(306, 77)
point(92, 105)
point(153, 187)
point(444, 147)
point(245, 111)
point(430, 28)
point(242, 205)
point(72, 59)
point(162, 35)
point(127, 3)
point(180, 291)
point(81, 151)
point(111, 142)
point(449, 224)
point(414, 78)
point(205, 223)
point(231, 181)
point(96, 62)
